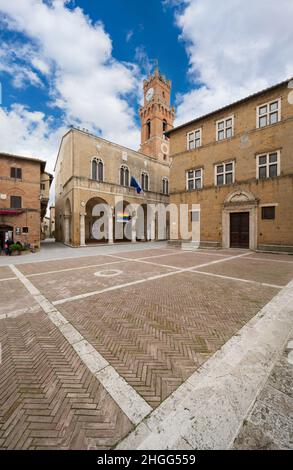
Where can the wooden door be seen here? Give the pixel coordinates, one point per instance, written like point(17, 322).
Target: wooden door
point(239, 230)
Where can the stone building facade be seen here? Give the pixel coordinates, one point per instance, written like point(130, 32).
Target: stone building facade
point(237, 164)
point(24, 194)
point(90, 171)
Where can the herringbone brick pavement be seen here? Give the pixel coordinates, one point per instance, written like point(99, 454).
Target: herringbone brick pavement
point(261, 271)
point(5, 272)
point(44, 266)
point(48, 398)
point(157, 334)
point(143, 253)
point(14, 296)
point(274, 256)
point(185, 259)
point(66, 284)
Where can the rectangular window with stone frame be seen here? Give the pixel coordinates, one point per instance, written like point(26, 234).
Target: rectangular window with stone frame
point(268, 113)
point(224, 173)
point(15, 202)
point(194, 139)
point(194, 179)
point(225, 128)
point(16, 173)
point(268, 165)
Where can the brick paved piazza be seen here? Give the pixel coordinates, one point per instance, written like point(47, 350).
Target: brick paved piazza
point(91, 345)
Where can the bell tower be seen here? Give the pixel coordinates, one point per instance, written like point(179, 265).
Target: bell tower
point(156, 116)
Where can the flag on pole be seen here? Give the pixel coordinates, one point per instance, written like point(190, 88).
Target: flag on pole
point(135, 184)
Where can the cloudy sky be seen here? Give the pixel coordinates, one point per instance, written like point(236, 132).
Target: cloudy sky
point(82, 62)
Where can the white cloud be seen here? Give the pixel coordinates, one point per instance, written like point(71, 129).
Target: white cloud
point(13, 61)
point(86, 82)
point(28, 133)
point(235, 48)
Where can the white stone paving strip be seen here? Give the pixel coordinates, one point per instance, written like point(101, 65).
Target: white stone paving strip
point(270, 260)
point(208, 409)
point(8, 279)
point(140, 281)
point(182, 252)
point(238, 279)
point(21, 311)
point(71, 269)
point(130, 402)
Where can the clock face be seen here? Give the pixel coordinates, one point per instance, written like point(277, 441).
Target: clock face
point(165, 148)
point(149, 94)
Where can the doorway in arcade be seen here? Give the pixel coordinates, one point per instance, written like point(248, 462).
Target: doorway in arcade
point(6, 233)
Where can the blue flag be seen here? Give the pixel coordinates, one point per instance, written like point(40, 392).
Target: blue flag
point(135, 184)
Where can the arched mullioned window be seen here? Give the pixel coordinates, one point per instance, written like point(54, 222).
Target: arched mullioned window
point(124, 175)
point(164, 125)
point(97, 169)
point(165, 183)
point(145, 181)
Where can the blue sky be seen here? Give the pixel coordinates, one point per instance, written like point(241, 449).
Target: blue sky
point(82, 62)
point(142, 32)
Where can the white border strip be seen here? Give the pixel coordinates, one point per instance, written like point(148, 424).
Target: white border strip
point(238, 279)
point(130, 402)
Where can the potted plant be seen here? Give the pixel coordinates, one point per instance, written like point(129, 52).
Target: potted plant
point(15, 249)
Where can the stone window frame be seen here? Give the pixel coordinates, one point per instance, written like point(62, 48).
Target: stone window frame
point(129, 176)
point(224, 173)
point(165, 185)
point(268, 164)
point(145, 173)
point(191, 138)
point(268, 113)
point(18, 170)
point(98, 160)
point(19, 199)
point(268, 216)
point(194, 178)
point(225, 128)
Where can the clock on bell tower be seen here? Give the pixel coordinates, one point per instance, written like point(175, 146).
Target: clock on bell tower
point(156, 117)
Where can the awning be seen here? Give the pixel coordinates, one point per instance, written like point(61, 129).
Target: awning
point(10, 212)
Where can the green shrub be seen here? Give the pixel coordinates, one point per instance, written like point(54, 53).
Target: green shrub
point(15, 247)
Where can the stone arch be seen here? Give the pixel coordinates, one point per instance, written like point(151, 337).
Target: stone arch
point(97, 223)
point(67, 209)
point(123, 230)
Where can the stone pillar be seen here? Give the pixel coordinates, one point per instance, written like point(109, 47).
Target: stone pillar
point(110, 227)
point(133, 230)
point(82, 229)
point(153, 228)
point(151, 225)
point(66, 228)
